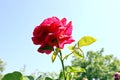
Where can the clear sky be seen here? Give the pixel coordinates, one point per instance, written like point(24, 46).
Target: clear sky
point(18, 18)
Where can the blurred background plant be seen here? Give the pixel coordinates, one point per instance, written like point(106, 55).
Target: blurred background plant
point(2, 68)
point(97, 66)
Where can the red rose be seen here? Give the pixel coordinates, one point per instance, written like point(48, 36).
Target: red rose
point(51, 33)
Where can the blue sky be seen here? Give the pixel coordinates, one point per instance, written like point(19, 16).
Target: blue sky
point(18, 18)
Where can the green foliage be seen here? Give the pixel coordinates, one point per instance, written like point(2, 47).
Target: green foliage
point(97, 66)
point(66, 56)
point(47, 47)
point(85, 41)
point(55, 53)
point(13, 76)
point(69, 72)
point(28, 78)
point(75, 69)
point(71, 47)
point(48, 78)
point(19, 76)
point(78, 53)
point(61, 75)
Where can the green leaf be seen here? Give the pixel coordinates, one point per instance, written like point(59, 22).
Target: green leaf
point(46, 47)
point(25, 78)
point(66, 56)
point(75, 69)
point(48, 78)
point(61, 75)
point(78, 53)
point(68, 76)
point(13, 76)
point(85, 41)
point(28, 78)
point(55, 54)
point(71, 47)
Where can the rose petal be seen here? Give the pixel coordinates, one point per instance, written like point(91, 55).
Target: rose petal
point(68, 30)
point(64, 21)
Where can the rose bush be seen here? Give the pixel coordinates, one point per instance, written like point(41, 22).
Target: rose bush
point(52, 32)
point(51, 35)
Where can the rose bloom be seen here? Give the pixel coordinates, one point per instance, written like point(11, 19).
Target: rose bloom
point(52, 32)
